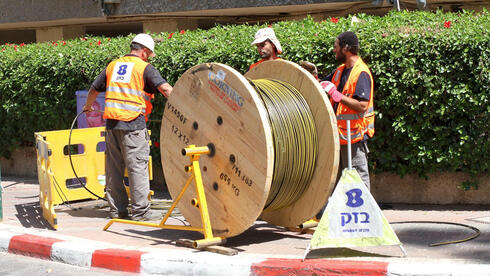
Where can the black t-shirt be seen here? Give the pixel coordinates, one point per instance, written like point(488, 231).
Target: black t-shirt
point(152, 80)
point(363, 86)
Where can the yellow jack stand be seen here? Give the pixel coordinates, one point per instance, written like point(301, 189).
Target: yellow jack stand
point(194, 153)
point(309, 224)
point(306, 227)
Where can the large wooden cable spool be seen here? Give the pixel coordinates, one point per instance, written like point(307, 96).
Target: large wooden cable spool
point(213, 104)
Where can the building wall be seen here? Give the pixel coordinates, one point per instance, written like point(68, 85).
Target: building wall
point(46, 10)
point(17, 36)
point(51, 20)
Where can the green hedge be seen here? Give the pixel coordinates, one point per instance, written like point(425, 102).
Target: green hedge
point(432, 72)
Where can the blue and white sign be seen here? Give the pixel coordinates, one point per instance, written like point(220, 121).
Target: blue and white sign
point(352, 218)
point(122, 72)
point(353, 212)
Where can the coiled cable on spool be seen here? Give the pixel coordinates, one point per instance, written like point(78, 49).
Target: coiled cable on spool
point(295, 141)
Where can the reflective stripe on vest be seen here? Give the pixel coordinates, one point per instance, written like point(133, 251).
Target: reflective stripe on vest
point(353, 136)
point(122, 106)
point(336, 78)
point(355, 116)
point(344, 137)
point(129, 91)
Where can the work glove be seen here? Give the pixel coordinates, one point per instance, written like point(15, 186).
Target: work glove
point(87, 108)
point(331, 91)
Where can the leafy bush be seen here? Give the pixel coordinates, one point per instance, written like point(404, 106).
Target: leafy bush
point(432, 72)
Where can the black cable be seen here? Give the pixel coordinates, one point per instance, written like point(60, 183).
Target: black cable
point(71, 162)
point(61, 194)
point(477, 231)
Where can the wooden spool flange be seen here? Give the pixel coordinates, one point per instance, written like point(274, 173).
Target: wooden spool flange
point(213, 104)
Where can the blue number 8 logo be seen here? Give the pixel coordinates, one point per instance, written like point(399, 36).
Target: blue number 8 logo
point(122, 69)
point(354, 198)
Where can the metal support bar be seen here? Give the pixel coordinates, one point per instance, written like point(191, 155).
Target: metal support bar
point(194, 154)
point(349, 155)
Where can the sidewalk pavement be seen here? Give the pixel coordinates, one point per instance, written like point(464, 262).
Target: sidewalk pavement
point(264, 249)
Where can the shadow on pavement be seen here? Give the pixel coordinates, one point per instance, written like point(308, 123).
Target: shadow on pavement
point(425, 235)
point(434, 207)
point(257, 234)
point(479, 255)
point(342, 252)
point(158, 236)
point(419, 238)
point(19, 180)
point(262, 233)
point(30, 216)
point(85, 212)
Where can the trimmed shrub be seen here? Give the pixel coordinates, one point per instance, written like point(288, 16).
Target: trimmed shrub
point(432, 73)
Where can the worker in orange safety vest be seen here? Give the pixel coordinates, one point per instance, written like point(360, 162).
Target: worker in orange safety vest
point(267, 44)
point(350, 88)
point(130, 83)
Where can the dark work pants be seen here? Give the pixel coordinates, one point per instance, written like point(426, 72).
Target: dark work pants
point(359, 153)
point(127, 149)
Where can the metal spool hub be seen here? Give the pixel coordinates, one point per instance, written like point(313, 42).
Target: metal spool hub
point(213, 104)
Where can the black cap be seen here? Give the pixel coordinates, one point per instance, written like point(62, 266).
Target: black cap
point(348, 38)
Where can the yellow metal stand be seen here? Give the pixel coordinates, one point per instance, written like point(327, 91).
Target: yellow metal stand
point(194, 154)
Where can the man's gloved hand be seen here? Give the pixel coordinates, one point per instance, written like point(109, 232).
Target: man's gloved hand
point(87, 108)
point(331, 90)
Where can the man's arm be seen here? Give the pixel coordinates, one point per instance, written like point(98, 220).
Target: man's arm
point(155, 82)
point(360, 101)
point(355, 104)
point(91, 97)
point(165, 89)
point(97, 86)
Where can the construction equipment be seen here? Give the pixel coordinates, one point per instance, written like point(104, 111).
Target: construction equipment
point(213, 104)
point(83, 148)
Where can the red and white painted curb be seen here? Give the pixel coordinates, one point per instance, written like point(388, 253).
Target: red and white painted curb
point(86, 253)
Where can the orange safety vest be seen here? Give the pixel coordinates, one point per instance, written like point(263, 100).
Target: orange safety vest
point(360, 123)
point(125, 98)
point(259, 62)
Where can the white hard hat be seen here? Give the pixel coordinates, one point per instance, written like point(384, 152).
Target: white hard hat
point(267, 33)
point(146, 41)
